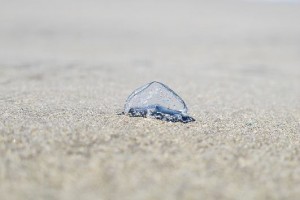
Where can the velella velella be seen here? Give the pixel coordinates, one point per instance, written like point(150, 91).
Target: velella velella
point(156, 100)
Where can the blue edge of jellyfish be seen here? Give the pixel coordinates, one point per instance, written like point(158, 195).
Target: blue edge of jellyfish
point(161, 113)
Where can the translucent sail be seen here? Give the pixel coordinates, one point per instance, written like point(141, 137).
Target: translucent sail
point(158, 101)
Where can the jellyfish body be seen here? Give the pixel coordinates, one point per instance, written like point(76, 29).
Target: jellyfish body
point(156, 100)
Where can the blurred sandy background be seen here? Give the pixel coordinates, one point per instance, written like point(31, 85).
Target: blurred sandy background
point(66, 68)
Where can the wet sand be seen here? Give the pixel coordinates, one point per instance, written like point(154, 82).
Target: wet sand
point(66, 69)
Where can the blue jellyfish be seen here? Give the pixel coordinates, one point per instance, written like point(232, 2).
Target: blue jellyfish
point(156, 100)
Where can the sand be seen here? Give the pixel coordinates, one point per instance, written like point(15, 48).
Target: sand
point(66, 68)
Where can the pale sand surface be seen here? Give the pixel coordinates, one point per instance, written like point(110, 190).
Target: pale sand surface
point(66, 68)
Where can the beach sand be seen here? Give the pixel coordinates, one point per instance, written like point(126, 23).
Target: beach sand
point(67, 67)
